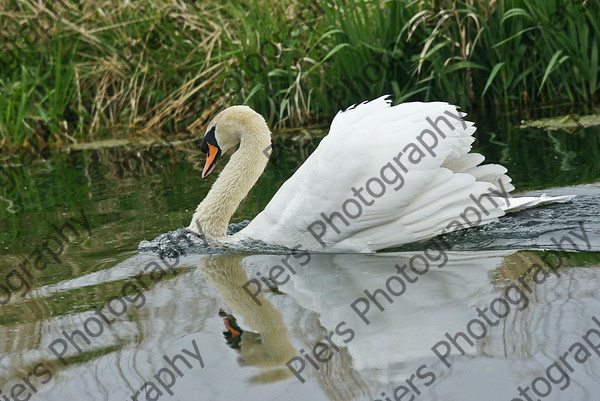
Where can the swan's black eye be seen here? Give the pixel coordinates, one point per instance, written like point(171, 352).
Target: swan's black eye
point(209, 138)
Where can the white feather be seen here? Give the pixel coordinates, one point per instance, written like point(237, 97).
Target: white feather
point(364, 139)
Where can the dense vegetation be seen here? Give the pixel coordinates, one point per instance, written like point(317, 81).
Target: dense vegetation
point(76, 70)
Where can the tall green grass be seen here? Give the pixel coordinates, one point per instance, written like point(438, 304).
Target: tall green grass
point(108, 68)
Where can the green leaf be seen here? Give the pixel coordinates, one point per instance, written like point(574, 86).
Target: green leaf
point(461, 65)
point(329, 55)
point(491, 77)
point(514, 36)
point(515, 12)
point(594, 66)
point(253, 92)
point(554, 62)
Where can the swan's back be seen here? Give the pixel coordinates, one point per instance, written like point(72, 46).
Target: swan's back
point(383, 176)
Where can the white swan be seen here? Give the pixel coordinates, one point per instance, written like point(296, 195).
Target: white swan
point(382, 177)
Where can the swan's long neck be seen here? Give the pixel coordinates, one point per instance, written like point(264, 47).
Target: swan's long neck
point(233, 184)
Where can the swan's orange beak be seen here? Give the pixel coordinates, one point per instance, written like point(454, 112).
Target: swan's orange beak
point(212, 158)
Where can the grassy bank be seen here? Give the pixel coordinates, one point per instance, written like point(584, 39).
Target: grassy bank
point(76, 71)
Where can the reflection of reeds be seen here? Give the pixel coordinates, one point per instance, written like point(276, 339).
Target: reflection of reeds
point(516, 265)
point(341, 381)
point(556, 308)
point(537, 159)
point(525, 264)
point(41, 319)
point(170, 64)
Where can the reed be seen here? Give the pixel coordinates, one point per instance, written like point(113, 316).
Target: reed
point(76, 71)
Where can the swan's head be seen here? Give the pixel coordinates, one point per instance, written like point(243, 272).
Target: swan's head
point(230, 127)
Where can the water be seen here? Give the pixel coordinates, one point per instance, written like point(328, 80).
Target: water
point(143, 308)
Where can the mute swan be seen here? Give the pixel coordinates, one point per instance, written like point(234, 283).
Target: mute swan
point(383, 176)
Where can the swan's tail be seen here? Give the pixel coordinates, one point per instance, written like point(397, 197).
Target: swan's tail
point(528, 202)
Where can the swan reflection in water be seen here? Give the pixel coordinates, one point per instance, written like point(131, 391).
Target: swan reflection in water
point(272, 348)
point(395, 349)
point(303, 312)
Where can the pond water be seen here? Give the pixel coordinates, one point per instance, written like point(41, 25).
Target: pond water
point(86, 316)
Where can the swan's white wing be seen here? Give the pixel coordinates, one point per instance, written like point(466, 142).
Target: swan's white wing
point(427, 176)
